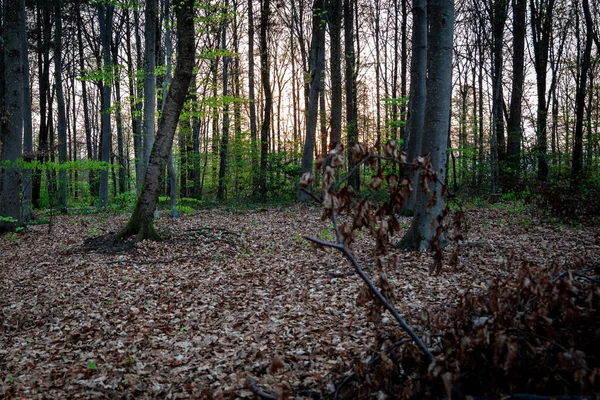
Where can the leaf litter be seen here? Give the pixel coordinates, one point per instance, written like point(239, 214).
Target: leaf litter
point(227, 298)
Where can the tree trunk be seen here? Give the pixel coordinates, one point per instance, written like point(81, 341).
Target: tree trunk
point(418, 89)
point(118, 116)
point(577, 166)
point(541, 31)
point(513, 145)
point(92, 181)
point(141, 221)
point(499, 12)
point(225, 137)
point(105, 17)
point(62, 119)
point(317, 61)
point(351, 113)
point(335, 24)
point(195, 139)
point(424, 224)
point(11, 119)
point(251, 98)
point(268, 101)
point(27, 121)
point(149, 79)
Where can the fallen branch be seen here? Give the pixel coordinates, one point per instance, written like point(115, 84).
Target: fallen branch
point(260, 393)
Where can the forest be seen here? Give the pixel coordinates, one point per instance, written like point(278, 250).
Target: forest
point(327, 199)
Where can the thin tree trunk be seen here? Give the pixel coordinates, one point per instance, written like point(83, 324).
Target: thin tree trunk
point(141, 221)
point(351, 113)
point(335, 29)
point(225, 137)
point(513, 146)
point(317, 60)
point(27, 121)
point(118, 117)
point(268, 100)
point(149, 79)
point(105, 17)
point(252, 101)
point(577, 167)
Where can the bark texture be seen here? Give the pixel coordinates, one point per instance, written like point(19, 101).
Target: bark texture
point(11, 120)
point(424, 224)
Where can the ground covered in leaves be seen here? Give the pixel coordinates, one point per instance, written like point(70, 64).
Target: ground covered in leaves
point(231, 297)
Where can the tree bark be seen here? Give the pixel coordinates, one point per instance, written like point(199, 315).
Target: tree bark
point(418, 91)
point(335, 22)
point(513, 145)
point(577, 166)
point(141, 221)
point(105, 17)
point(11, 120)
point(118, 116)
point(251, 98)
point(27, 121)
point(86, 108)
point(223, 153)
point(424, 224)
point(149, 79)
point(268, 100)
point(541, 32)
point(351, 112)
point(317, 61)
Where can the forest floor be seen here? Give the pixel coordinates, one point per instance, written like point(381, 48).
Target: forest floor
point(229, 297)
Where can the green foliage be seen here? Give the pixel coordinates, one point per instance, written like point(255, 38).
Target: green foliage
point(9, 220)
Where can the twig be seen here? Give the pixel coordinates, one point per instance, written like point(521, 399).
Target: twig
point(342, 247)
point(259, 392)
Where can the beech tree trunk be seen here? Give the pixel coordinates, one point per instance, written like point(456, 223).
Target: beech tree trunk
point(418, 91)
point(27, 121)
point(435, 139)
point(223, 153)
point(11, 119)
point(335, 24)
point(141, 222)
point(317, 61)
point(62, 118)
point(577, 166)
point(149, 80)
point(268, 100)
point(351, 112)
point(513, 144)
point(105, 17)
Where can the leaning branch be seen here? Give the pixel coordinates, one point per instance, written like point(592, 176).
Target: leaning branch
point(342, 247)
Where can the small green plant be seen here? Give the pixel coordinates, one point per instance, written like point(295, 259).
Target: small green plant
point(299, 240)
point(131, 360)
point(11, 236)
point(185, 210)
point(10, 379)
point(91, 365)
point(9, 220)
point(326, 234)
